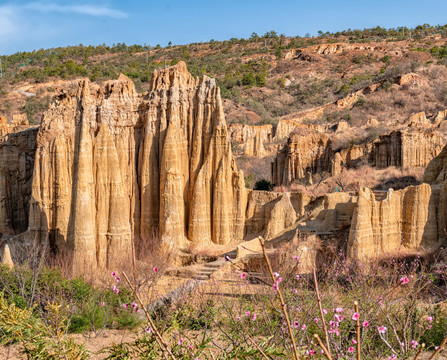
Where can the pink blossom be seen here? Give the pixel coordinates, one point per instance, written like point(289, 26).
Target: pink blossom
point(304, 327)
point(312, 352)
point(298, 277)
point(392, 357)
point(296, 324)
point(275, 286)
point(134, 305)
point(180, 341)
point(275, 274)
point(354, 341)
point(295, 291)
point(351, 349)
point(382, 329)
point(316, 320)
point(118, 279)
point(155, 269)
point(338, 310)
point(148, 330)
point(365, 324)
point(247, 313)
point(243, 275)
point(125, 306)
point(404, 280)
point(339, 318)
point(355, 316)
point(324, 311)
point(414, 344)
point(253, 317)
point(296, 257)
point(191, 346)
point(113, 273)
point(102, 303)
point(115, 289)
point(429, 318)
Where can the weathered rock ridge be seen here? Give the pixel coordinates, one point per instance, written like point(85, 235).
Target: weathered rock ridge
point(113, 166)
point(409, 147)
point(404, 220)
point(309, 151)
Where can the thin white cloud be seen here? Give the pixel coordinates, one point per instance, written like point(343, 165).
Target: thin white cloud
point(86, 9)
point(7, 22)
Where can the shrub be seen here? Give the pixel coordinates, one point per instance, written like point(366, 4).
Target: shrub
point(278, 53)
point(344, 89)
point(443, 95)
point(248, 80)
point(35, 106)
point(26, 288)
point(386, 59)
point(249, 180)
point(264, 185)
point(387, 85)
point(38, 339)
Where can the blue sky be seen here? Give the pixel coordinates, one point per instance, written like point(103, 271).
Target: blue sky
point(26, 25)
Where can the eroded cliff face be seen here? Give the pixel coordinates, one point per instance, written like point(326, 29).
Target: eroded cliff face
point(17, 151)
point(252, 138)
point(113, 166)
point(403, 221)
point(306, 151)
point(407, 148)
point(310, 151)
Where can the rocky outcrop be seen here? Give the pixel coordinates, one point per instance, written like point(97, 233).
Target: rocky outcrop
point(280, 215)
point(436, 171)
point(112, 166)
point(6, 258)
point(404, 220)
point(17, 152)
point(407, 148)
point(269, 213)
point(306, 151)
point(352, 157)
point(252, 138)
point(419, 119)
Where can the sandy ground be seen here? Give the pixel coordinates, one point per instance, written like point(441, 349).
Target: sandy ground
point(93, 344)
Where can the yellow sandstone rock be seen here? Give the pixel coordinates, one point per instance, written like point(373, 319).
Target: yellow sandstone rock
point(113, 167)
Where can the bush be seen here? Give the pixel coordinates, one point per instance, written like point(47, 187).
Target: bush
point(82, 301)
point(38, 339)
point(443, 95)
point(264, 185)
point(249, 180)
point(248, 80)
point(386, 59)
point(344, 89)
point(360, 102)
point(387, 85)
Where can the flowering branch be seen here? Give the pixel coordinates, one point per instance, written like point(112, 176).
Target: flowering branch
point(281, 299)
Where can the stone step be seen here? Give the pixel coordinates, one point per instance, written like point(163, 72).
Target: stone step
point(201, 277)
point(214, 265)
point(205, 272)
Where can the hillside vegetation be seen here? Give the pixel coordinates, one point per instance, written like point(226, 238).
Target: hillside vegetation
point(261, 78)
